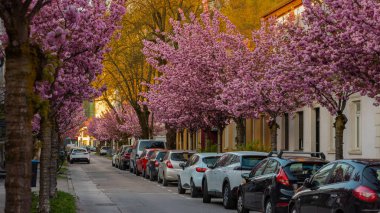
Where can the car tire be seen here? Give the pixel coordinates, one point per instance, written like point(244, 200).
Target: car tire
point(240, 204)
point(269, 208)
point(206, 196)
point(164, 181)
point(113, 165)
point(193, 190)
point(159, 180)
point(294, 209)
point(130, 169)
point(180, 189)
point(137, 173)
point(146, 174)
point(228, 202)
point(88, 162)
point(71, 161)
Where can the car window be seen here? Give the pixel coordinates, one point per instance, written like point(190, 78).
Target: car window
point(143, 154)
point(271, 167)
point(258, 170)
point(130, 150)
point(180, 156)
point(194, 160)
point(151, 145)
point(161, 155)
point(302, 170)
point(79, 150)
point(150, 153)
point(210, 160)
point(222, 160)
point(342, 173)
point(166, 156)
point(234, 159)
point(372, 174)
point(320, 178)
point(251, 161)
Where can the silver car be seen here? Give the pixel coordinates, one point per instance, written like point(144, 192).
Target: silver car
point(169, 168)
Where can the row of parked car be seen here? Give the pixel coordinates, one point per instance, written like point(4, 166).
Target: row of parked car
point(268, 182)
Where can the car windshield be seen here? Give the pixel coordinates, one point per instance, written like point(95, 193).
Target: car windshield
point(151, 145)
point(105, 148)
point(210, 160)
point(303, 170)
point(181, 156)
point(372, 174)
point(160, 155)
point(250, 161)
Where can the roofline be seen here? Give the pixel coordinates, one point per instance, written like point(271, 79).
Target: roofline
point(297, 3)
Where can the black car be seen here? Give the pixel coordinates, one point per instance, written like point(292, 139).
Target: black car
point(341, 186)
point(272, 183)
point(154, 162)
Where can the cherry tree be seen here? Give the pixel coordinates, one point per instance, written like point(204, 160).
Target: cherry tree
point(195, 62)
point(336, 55)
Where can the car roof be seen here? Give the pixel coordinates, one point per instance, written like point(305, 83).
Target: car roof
point(180, 151)
point(366, 161)
point(302, 159)
point(241, 153)
point(209, 154)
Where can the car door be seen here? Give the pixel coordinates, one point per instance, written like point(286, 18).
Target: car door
point(233, 171)
point(336, 193)
point(308, 200)
point(212, 174)
point(185, 174)
point(262, 182)
point(221, 173)
point(249, 187)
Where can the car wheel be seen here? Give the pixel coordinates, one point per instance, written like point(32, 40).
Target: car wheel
point(180, 189)
point(147, 173)
point(193, 189)
point(113, 165)
point(227, 197)
point(240, 205)
point(71, 161)
point(206, 196)
point(269, 207)
point(294, 209)
point(130, 169)
point(137, 173)
point(88, 161)
point(164, 181)
point(159, 180)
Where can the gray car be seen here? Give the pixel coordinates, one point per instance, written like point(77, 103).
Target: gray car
point(169, 168)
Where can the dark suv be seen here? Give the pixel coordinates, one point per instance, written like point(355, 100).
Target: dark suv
point(341, 186)
point(272, 183)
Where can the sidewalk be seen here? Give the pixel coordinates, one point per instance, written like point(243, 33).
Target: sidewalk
point(63, 184)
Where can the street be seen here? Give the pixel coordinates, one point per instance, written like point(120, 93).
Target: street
point(103, 188)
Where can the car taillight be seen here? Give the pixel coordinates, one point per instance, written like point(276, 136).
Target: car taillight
point(282, 178)
point(199, 169)
point(365, 194)
point(156, 164)
point(169, 164)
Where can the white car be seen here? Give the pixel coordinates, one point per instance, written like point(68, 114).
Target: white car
point(104, 150)
point(193, 171)
point(79, 155)
point(223, 179)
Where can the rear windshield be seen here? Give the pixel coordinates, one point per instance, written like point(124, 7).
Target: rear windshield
point(180, 156)
point(151, 145)
point(150, 153)
point(372, 174)
point(210, 160)
point(249, 162)
point(303, 170)
point(160, 155)
point(105, 147)
point(79, 150)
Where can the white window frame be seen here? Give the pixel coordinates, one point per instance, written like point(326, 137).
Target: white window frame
point(357, 125)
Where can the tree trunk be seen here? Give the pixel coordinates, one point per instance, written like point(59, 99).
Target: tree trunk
point(339, 125)
point(19, 146)
point(143, 117)
point(54, 160)
point(220, 136)
point(170, 137)
point(44, 205)
point(240, 131)
point(273, 126)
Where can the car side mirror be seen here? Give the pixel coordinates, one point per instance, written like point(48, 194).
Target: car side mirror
point(245, 176)
point(182, 165)
point(307, 183)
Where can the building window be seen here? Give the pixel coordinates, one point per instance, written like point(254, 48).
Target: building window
point(357, 125)
point(263, 128)
point(300, 130)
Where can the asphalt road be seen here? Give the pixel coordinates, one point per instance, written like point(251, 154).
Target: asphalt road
point(103, 188)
